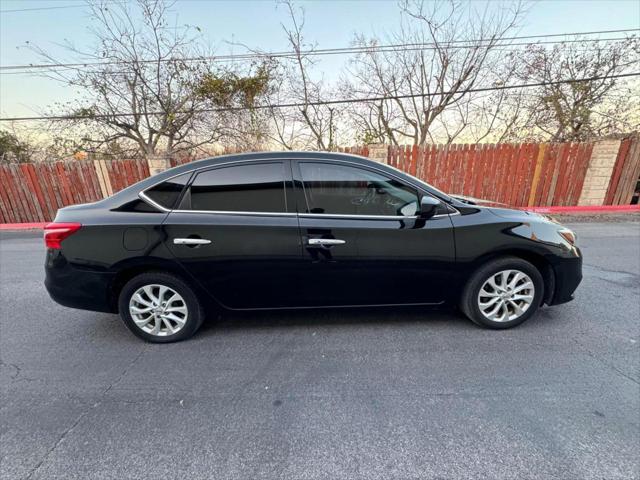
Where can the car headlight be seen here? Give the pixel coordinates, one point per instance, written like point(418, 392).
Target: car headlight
point(568, 235)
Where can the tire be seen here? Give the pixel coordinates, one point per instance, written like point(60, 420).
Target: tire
point(179, 318)
point(511, 302)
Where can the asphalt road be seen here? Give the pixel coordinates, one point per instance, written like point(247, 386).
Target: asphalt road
point(326, 395)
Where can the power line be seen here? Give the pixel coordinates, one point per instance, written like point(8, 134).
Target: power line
point(334, 51)
point(16, 10)
point(478, 43)
point(325, 102)
point(44, 72)
point(33, 9)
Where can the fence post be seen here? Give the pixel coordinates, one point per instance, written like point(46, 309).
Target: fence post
point(596, 181)
point(158, 163)
point(103, 178)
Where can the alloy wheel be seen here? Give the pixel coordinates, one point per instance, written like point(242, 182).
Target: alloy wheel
point(158, 310)
point(506, 295)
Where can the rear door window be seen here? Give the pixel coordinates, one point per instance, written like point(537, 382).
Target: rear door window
point(239, 188)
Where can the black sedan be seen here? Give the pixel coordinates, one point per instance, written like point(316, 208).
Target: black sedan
point(300, 230)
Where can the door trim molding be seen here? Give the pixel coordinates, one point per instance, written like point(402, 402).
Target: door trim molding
point(229, 212)
point(363, 305)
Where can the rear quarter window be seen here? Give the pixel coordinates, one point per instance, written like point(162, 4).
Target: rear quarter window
point(166, 194)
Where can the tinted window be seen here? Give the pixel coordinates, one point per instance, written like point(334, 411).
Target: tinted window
point(337, 189)
point(137, 206)
point(242, 188)
point(167, 193)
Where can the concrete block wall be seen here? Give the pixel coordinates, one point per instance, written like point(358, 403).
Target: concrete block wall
point(379, 152)
point(596, 182)
point(158, 164)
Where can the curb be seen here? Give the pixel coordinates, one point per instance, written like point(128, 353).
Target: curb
point(594, 210)
point(22, 226)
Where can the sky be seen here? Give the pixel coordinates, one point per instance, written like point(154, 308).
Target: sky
point(329, 23)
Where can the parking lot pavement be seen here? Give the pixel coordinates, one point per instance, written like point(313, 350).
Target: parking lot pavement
point(330, 394)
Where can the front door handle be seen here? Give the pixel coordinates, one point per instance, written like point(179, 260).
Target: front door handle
point(191, 241)
point(325, 241)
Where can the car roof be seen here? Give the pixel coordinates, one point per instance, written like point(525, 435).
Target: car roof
point(261, 156)
point(279, 155)
point(132, 190)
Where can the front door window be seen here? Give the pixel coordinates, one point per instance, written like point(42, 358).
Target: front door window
point(342, 190)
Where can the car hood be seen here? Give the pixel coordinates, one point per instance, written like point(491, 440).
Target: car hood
point(516, 215)
point(502, 210)
point(478, 201)
point(513, 213)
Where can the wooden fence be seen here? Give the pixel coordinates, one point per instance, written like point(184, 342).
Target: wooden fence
point(32, 192)
point(626, 173)
point(524, 174)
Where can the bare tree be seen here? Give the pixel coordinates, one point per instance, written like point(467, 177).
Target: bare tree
point(578, 110)
point(421, 83)
point(309, 124)
point(150, 83)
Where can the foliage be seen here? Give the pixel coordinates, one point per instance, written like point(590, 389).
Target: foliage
point(229, 88)
point(12, 149)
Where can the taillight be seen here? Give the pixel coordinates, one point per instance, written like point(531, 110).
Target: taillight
point(55, 233)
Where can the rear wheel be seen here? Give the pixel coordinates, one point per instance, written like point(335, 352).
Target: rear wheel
point(503, 293)
point(160, 308)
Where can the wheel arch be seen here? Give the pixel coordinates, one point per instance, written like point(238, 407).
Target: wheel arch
point(136, 266)
point(536, 259)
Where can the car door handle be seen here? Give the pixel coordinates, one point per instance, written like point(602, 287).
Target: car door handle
point(325, 241)
point(191, 241)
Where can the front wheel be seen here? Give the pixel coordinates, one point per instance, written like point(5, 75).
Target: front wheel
point(160, 308)
point(503, 293)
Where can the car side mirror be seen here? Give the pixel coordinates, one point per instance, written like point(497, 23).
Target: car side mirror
point(428, 207)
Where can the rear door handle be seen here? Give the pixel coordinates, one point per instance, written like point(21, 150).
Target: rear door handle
point(191, 241)
point(325, 241)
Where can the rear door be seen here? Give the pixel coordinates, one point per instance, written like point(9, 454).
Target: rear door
point(236, 232)
point(364, 243)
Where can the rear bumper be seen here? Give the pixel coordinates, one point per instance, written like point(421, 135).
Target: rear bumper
point(568, 275)
point(75, 287)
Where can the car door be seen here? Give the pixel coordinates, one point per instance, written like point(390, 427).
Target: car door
point(363, 240)
point(236, 232)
